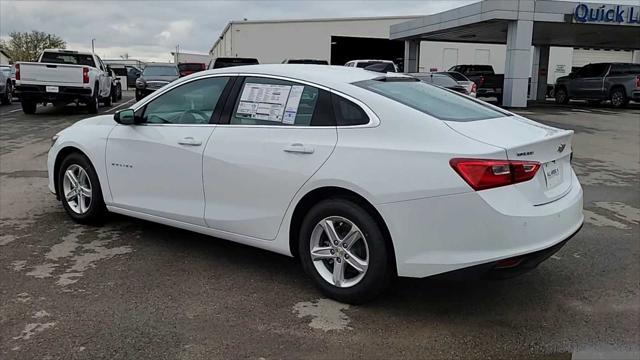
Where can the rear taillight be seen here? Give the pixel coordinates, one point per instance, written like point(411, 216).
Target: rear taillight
point(474, 88)
point(481, 80)
point(638, 81)
point(85, 75)
point(17, 71)
point(482, 174)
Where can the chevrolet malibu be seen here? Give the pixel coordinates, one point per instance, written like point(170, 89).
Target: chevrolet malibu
point(362, 176)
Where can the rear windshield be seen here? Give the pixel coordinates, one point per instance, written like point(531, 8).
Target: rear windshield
point(437, 79)
point(432, 100)
point(307, 61)
point(364, 64)
point(228, 62)
point(457, 76)
point(64, 58)
point(160, 71)
point(191, 67)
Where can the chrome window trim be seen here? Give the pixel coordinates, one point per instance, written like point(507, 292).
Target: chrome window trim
point(374, 120)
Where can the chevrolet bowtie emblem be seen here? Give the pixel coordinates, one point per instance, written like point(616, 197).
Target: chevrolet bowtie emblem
point(561, 147)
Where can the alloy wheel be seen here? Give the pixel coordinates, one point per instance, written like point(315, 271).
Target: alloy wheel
point(617, 98)
point(339, 251)
point(76, 188)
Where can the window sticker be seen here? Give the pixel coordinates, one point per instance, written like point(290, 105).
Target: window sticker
point(263, 102)
point(291, 109)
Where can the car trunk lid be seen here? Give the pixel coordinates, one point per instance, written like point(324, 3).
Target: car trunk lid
point(523, 139)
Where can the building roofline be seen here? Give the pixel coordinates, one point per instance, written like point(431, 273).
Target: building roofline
point(298, 20)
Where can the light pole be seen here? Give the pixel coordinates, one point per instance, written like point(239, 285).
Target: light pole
point(93, 46)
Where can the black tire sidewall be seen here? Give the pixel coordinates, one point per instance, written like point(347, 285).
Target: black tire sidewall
point(28, 107)
point(378, 274)
point(97, 207)
point(94, 102)
point(624, 97)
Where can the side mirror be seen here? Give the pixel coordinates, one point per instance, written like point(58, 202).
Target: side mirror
point(125, 117)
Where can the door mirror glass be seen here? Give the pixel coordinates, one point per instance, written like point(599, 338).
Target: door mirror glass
point(125, 117)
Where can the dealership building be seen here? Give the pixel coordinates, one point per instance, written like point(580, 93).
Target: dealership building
point(532, 42)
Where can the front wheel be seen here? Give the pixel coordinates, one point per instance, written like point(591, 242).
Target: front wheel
point(343, 249)
point(79, 189)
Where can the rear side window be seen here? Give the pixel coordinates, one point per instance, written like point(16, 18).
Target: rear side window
point(347, 113)
point(437, 102)
point(275, 102)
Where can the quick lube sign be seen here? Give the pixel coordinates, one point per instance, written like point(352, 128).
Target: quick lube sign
point(595, 13)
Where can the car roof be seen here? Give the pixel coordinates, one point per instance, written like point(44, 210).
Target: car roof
point(332, 76)
point(159, 64)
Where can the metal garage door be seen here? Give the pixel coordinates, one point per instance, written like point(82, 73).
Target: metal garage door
point(582, 57)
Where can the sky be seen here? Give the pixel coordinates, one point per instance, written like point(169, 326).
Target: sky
point(149, 30)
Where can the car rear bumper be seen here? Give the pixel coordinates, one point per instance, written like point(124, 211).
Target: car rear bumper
point(441, 234)
point(39, 93)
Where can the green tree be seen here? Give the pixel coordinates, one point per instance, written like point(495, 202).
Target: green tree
point(27, 46)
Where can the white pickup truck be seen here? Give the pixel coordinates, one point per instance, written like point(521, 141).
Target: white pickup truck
point(61, 77)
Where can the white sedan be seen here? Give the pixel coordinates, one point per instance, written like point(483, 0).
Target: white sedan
point(363, 176)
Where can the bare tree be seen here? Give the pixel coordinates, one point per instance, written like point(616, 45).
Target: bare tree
point(25, 46)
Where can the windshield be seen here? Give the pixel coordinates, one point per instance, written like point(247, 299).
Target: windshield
point(228, 62)
point(65, 58)
point(457, 76)
point(432, 100)
point(191, 67)
point(160, 71)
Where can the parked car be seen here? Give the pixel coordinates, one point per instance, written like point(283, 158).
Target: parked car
point(381, 67)
point(362, 176)
point(116, 87)
point(489, 84)
point(133, 73)
point(441, 79)
point(6, 85)
point(365, 63)
point(616, 82)
point(154, 76)
point(61, 77)
point(223, 62)
point(471, 87)
point(305, 61)
point(190, 68)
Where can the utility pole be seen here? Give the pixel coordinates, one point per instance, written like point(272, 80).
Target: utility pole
point(177, 59)
point(93, 46)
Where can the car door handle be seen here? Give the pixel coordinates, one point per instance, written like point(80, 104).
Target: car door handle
point(298, 148)
point(189, 141)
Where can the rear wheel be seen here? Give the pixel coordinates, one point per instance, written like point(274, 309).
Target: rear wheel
point(619, 98)
point(28, 107)
point(93, 104)
point(342, 248)
point(561, 96)
point(7, 99)
point(79, 189)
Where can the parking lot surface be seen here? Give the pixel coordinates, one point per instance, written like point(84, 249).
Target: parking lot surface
point(135, 289)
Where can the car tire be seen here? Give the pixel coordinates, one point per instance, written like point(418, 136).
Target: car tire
point(94, 103)
point(7, 99)
point(107, 100)
point(81, 195)
point(561, 95)
point(139, 96)
point(368, 251)
point(119, 92)
point(618, 98)
point(114, 95)
point(28, 107)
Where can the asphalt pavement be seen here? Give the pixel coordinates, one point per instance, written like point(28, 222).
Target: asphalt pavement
point(132, 289)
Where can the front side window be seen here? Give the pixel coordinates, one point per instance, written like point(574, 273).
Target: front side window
point(265, 101)
point(432, 100)
point(191, 103)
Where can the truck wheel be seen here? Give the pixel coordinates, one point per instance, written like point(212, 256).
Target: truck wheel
point(107, 100)
point(28, 107)
point(93, 103)
point(561, 96)
point(619, 98)
point(119, 92)
point(7, 99)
